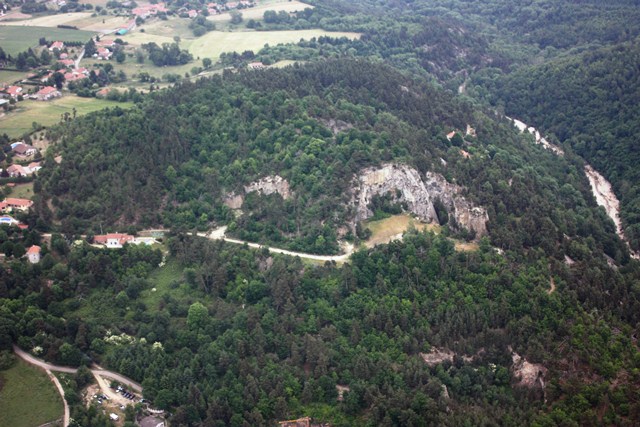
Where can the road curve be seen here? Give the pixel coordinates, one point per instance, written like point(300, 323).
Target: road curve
point(41, 363)
point(219, 234)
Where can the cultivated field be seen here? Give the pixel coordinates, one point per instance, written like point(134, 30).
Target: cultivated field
point(258, 12)
point(18, 39)
point(51, 20)
point(212, 44)
point(18, 122)
point(28, 397)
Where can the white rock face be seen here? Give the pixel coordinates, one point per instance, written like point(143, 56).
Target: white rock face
point(233, 200)
point(419, 195)
point(522, 127)
point(528, 374)
point(269, 185)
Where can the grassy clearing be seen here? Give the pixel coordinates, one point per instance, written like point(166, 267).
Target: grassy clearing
point(19, 122)
point(8, 77)
point(16, 39)
point(22, 191)
point(161, 279)
point(392, 228)
point(174, 26)
point(28, 397)
point(258, 11)
point(51, 20)
point(212, 44)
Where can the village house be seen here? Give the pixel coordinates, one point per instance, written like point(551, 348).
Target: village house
point(47, 93)
point(67, 62)
point(113, 240)
point(192, 13)
point(13, 91)
point(148, 10)
point(64, 55)
point(106, 43)
point(16, 171)
point(72, 76)
point(256, 66)
point(103, 53)
point(11, 204)
point(23, 150)
point(56, 45)
point(33, 254)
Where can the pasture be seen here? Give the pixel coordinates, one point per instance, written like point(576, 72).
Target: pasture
point(258, 12)
point(16, 39)
point(212, 44)
point(19, 121)
point(28, 397)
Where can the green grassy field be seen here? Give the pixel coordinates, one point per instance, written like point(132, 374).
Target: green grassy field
point(16, 39)
point(22, 191)
point(212, 44)
point(258, 12)
point(8, 77)
point(18, 122)
point(161, 279)
point(28, 397)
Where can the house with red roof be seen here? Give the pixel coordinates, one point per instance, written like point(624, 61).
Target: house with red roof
point(103, 53)
point(113, 240)
point(13, 91)
point(67, 62)
point(56, 45)
point(11, 204)
point(47, 93)
point(33, 254)
point(105, 43)
point(23, 150)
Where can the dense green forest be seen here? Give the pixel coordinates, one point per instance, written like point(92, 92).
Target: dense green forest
point(220, 334)
point(590, 102)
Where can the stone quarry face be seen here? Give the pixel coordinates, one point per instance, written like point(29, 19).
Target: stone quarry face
point(418, 194)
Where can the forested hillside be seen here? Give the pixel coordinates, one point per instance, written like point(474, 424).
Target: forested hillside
point(536, 323)
point(589, 101)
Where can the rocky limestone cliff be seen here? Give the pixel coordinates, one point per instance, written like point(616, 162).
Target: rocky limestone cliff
point(269, 185)
point(418, 194)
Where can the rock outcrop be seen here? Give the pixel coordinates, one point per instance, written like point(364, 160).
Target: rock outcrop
point(407, 186)
point(269, 185)
point(526, 373)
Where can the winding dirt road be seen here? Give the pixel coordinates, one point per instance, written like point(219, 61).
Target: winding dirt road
point(219, 234)
point(97, 372)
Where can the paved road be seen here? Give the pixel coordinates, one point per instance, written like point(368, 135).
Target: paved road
point(219, 234)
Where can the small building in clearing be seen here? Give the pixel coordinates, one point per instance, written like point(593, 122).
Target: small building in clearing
point(33, 254)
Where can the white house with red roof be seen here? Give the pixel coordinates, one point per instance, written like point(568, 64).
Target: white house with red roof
point(56, 45)
point(103, 53)
point(105, 43)
point(13, 91)
point(11, 204)
point(33, 254)
point(192, 13)
point(47, 93)
point(113, 240)
point(23, 150)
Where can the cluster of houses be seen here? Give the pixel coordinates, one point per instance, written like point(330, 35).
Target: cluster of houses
point(149, 10)
point(43, 94)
